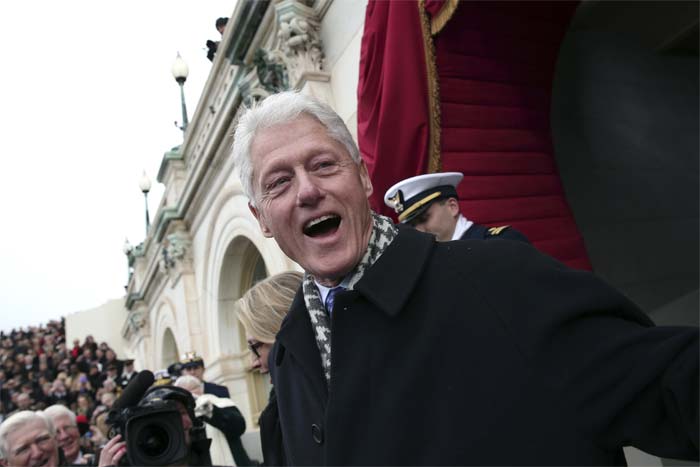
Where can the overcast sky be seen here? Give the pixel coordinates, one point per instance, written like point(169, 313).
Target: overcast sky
point(87, 102)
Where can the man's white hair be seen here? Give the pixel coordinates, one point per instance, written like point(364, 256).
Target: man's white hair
point(277, 109)
point(58, 410)
point(189, 382)
point(17, 422)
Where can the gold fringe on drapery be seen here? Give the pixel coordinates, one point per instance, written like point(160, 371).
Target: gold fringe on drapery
point(443, 16)
point(434, 162)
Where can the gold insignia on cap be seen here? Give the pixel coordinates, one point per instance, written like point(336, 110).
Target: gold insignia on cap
point(418, 204)
point(162, 377)
point(190, 357)
point(396, 203)
point(498, 230)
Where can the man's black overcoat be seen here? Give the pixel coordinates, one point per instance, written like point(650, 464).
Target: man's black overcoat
point(474, 352)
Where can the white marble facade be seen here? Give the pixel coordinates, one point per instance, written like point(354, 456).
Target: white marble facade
point(204, 248)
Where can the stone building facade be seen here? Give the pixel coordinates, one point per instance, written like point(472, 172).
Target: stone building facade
point(204, 248)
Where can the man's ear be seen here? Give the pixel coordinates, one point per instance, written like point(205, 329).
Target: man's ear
point(453, 205)
point(261, 221)
point(364, 176)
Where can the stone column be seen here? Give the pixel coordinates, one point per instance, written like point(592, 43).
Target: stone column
point(177, 264)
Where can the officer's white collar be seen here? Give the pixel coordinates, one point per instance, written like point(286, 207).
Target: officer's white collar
point(463, 224)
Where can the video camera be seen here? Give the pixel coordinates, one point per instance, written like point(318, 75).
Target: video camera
point(149, 421)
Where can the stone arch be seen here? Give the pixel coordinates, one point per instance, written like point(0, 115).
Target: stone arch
point(166, 331)
point(242, 267)
point(233, 227)
point(169, 351)
point(237, 250)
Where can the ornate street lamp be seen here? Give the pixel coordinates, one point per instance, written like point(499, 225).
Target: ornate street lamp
point(180, 72)
point(127, 248)
point(145, 185)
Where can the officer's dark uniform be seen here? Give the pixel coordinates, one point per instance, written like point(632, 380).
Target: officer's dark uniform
point(481, 232)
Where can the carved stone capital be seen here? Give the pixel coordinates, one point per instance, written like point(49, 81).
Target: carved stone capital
point(176, 252)
point(298, 40)
point(251, 88)
point(136, 324)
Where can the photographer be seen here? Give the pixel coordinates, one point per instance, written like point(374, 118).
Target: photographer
point(155, 428)
point(223, 421)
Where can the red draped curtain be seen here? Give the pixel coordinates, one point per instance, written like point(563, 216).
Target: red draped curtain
point(465, 86)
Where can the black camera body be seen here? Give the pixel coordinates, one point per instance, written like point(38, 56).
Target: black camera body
point(153, 433)
point(150, 421)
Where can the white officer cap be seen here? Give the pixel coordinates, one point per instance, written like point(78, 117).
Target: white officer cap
point(412, 196)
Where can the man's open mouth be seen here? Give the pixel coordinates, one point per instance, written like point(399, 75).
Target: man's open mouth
point(322, 226)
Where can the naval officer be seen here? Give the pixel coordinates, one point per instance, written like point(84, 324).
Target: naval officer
point(429, 203)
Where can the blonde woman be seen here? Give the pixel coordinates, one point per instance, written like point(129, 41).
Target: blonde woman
point(261, 311)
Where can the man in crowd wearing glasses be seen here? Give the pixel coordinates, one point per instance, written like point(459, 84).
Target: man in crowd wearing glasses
point(67, 433)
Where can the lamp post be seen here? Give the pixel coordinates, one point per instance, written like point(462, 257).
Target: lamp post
point(127, 249)
point(180, 72)
point(145, 185)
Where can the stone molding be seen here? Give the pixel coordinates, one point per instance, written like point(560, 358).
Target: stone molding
point(136, 324)
point(298, 40)
point(294, 54)
point(176, 252)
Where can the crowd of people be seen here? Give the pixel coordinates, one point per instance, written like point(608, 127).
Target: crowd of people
point(40, 371)
point(61, 404)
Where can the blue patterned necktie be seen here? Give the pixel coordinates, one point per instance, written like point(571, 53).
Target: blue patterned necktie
point(330, 298)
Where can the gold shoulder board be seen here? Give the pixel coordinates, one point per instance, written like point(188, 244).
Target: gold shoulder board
point(498, 230)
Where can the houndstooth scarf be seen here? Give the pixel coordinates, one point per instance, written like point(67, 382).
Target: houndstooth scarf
point(383, 233)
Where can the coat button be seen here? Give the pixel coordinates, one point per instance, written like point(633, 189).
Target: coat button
point(317, 433)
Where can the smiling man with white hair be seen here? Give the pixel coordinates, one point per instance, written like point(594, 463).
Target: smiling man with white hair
point(67, 433)
point(28, 439)
point(401, 350)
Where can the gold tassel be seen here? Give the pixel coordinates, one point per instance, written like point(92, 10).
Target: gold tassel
point(434, 162)
point(443, 16)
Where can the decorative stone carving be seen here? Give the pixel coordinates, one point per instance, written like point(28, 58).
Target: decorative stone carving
point(251, 89)
point(291, 56)
point(136, 323)
point(176, 250)
point(271, 72)
point(180, 244)
point(299, 40)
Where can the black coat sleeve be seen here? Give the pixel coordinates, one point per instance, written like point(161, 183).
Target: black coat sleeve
point(231, 423)
point(271, 434)
point(626, 381)
point(228, 420)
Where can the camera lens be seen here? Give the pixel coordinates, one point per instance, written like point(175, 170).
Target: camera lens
point(153, 441)
point(155, 436)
